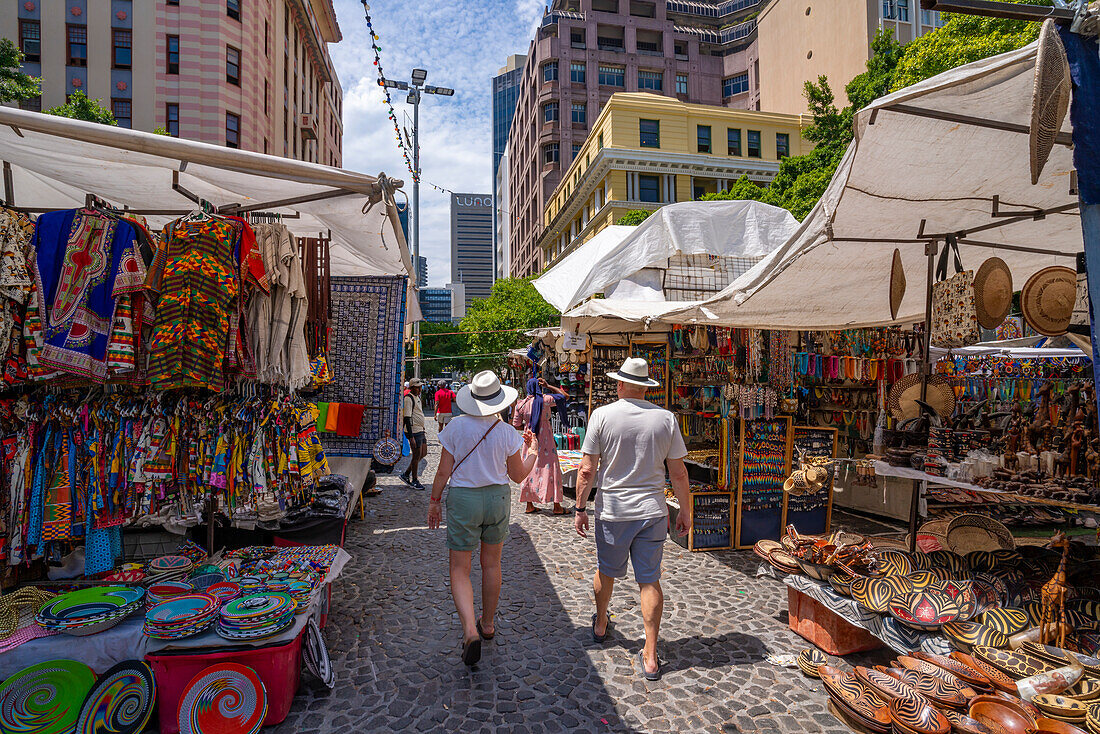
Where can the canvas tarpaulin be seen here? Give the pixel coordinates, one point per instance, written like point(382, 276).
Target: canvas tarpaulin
point(926, 160)
point(607, 316)
point(746, 229)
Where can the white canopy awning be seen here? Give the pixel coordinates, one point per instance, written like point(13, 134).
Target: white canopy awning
point(610, 316)
point(928, 160)
point(53, 162)
point(746, 229)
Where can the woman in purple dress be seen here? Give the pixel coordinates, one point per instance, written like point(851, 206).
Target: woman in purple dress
point(543, 485)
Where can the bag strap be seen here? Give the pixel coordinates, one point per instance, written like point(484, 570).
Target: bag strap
point(951, 245)
point(455, 467)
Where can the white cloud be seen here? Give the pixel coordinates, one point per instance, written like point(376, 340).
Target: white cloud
point(462, 45)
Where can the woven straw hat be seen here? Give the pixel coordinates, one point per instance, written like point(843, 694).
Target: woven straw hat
point(1047, 300)
point(1049, 97)
point(905, 393)
point(805, 481)
point(897, 283)
point(992, 292)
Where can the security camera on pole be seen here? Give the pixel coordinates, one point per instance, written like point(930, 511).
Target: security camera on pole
point(415, 88)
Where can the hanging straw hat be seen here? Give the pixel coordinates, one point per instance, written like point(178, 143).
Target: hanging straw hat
point(805, 481)
point(1049, 97)
point(905, 393)
point(485, 395)
point(992, 292)
point(1047, 300)
point(897, 283)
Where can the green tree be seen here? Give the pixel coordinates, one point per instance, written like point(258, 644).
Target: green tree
point(634, 216)
point(82, 107)
point(496, 324)
point(14, 84)
point(441, 340)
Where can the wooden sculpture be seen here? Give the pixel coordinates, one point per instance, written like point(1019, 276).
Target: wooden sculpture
point(1053, 622)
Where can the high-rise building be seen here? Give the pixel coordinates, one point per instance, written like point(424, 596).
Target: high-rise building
point(800, 40)
point(646, 151)
point(501, 251)
point(505, 94)
point(435, 304)
point(250, 74)
point(420, 265)
point(472, 244)
point(699, 51)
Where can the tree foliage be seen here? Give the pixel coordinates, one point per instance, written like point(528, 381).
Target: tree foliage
point(441, 340)
point(634, 216)
point(14, 84)
point(513, 306)
point(81, 107)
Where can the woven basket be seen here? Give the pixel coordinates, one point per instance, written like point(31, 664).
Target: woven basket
point(967, 533)
point(882, 541)
point(933, 530)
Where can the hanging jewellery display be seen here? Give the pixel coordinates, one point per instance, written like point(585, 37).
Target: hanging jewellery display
point(765, 465)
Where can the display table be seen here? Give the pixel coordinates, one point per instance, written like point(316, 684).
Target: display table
point(569, 461)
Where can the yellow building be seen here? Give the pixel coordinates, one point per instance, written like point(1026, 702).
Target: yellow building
point(646, 150)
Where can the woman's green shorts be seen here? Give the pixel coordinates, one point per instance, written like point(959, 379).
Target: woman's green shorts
point(477, 515)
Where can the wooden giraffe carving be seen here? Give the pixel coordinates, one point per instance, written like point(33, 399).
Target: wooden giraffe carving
point(1053, 622)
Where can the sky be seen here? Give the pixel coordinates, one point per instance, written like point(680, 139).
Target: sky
point(462, 44)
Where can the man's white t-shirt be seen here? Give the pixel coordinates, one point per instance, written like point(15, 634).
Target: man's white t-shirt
point(413, 409)
point(488, 464)
point(632, 438)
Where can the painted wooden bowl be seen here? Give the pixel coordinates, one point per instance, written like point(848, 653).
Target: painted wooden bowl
point(842, 583)
point(1048, 725)
point(1034, 610)
point(1015, 663)
point(1007, 621)
point(1060, 706)
point(923, 666)
point(1007, 556)
point(963, 724)
point(846, 689)
point(895, 563)
point(1086, 690)
point(982, 561)
point(918, 716)
point(1060, 656)
point(1000, 715)
point(930, 608)
point(966, 635)
point(887, 686)
point(876, 594)
point(810, 660)
point(973, 678)
point(921, 580)
point(1001, 681)
point(933, 687)
point(921, 561)
point(948, 559)
point(1092, 717)
point(1088, 607)
point(1015, 700)
point(1000, 588)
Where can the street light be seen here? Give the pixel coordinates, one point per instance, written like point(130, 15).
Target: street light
point(415, 88)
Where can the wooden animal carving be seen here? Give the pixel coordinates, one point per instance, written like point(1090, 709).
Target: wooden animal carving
point(1052, 625)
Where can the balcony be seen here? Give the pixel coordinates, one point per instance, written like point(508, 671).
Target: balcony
point(720, 11)
point(723, 36)
point(554, 16)
point(307, 123)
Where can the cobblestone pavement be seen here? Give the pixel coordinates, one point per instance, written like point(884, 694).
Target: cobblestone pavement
point(394, 638)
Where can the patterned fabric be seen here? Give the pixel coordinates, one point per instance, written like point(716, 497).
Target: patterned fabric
point(366, 354)
point(544, 482)
point(194, 272)
point(954, 320)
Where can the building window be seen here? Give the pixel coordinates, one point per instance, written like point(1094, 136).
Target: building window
point(576, 38)
point(550, 153)
point(599, 141)
point(267, 35)
point(233, 9)
point(754, 144)
point(580, 113)
point(649, 189)
point(121, 109)
point(172, 54)
point(172, 119)
point(78, 45)
point(782, 145)
point(612, 76)
point(30, 40)
point(173, 2)
point(232, 130)
point(233, 65)
point(577, 73)
point(681, 84)
point(703, 138)
point(649, 133)
point(895, 9)
point(122, 42)
point(650, 80)
point(267, 95)
point(550, 112)
point(733, 141)
point(576, 150)
point(680, 48)
point(550, 72)
point(733, 85)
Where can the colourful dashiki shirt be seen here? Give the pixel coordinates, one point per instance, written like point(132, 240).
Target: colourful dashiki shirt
point(83, 263)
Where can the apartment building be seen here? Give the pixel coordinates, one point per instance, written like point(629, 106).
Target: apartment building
point(646, 151)
point(698, 51)
point(506, 86)
point(250, 74)
point(799, 40)
point(435, 304)
point(472, 245)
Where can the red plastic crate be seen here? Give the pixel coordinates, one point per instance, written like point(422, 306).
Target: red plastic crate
point(279, 667)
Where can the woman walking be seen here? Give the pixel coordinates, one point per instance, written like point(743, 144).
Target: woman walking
point(480, 454)
point(544, 484)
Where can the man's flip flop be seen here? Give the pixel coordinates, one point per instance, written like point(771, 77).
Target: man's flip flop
point(482, 632)
point(606, 632)
point(471, 652)
point(646, 673)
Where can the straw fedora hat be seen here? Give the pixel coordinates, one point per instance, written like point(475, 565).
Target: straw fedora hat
point(897, 283)
point(635, 371)
point(804, 481)
point(905, 393)
point(1047, 300)
point(485, 395)
point(992, 292)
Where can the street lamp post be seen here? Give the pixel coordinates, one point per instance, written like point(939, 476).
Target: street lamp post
point(416, 88)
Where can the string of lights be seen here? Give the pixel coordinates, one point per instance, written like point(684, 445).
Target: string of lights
point(391, 112)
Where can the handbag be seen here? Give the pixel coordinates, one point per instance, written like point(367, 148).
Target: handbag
point(954, 318)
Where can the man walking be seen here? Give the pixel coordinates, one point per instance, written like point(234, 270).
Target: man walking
point(413, 411)
point(444, 398)
point(630, 441)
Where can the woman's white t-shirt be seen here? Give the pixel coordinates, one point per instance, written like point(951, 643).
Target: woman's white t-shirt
point(488, 464)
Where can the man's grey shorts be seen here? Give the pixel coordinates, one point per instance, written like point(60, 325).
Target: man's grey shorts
point(640, 541)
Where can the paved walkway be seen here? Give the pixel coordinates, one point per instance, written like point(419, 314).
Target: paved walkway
point(394, 638)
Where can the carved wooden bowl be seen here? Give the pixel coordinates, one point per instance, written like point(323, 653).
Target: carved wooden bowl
point(918, 716)
point(1007, 621)
point(1000, 680)
point(974, 678)
point(966, 635)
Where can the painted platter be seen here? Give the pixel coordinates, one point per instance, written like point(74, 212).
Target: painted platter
point(842, 583)
point(963, 724)
point(876, 594)
point(966, 635)
point(1092, 717)
point(918, 716)
point(1000, 680)
point(170, 563)
point(225, 698)
point(121, 701)
point(921, 561)
point(921, 580)
point(45, 698)
point(933, 687)
point(923, 666)
point(257, 607)
point(1060, 706)
point(931, 608)
point(182, 608)
point(965, 673)
point(1000, 588)
point(316, 656)
point(895, 563)
point(1016, 663)
point(1087, 607)
point(862, 700)
point(982, 561)
point(949, 560)
point(1034, 610)
point(885, 685)
point(985, 595)
point(1006, 620)
point(1007, 556)
point(83, 604)
point(809, 660)
point(1060, 656)
point(1086, 690)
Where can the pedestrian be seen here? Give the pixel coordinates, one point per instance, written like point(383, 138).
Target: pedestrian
point(413, 412)
point(630, 441)
point(444, 397)
point(544, 483)
point(480, 454)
